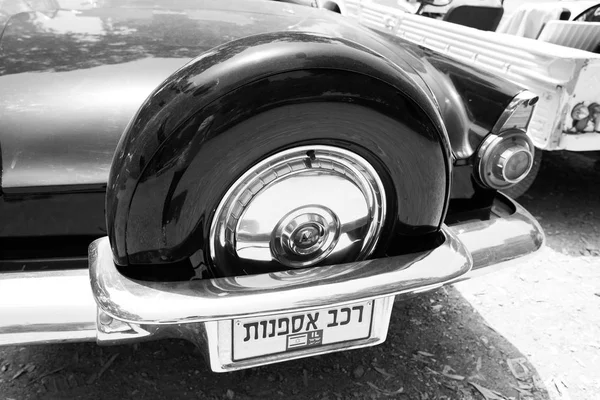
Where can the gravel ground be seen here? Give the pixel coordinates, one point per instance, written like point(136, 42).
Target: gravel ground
point(531, 332)
point(550, 308)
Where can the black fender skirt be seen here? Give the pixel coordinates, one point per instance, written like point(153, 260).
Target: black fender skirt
point(161, 191)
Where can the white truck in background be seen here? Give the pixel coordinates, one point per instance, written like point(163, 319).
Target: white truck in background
point(567, 79)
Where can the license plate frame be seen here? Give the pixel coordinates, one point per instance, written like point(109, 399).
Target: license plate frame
point(224, 356)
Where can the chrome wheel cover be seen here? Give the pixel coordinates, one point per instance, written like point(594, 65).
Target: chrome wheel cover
point(298, 208)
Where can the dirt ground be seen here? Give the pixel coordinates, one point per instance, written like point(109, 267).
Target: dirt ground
point(550, 308)
point(531, 332)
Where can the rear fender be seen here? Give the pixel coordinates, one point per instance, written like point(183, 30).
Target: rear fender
point(199, 101)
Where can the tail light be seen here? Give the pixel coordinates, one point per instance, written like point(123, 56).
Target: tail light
point(505, 156)
point(504, 160)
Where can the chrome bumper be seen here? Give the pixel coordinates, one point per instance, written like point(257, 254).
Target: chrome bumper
point(62, 306)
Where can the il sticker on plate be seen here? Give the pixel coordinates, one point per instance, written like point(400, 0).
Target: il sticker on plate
point(255, 337)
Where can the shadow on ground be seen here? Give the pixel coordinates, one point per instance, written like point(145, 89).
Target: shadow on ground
point(437, 344)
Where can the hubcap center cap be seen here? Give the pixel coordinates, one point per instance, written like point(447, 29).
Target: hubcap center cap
point(308, 235)
point(305, 235)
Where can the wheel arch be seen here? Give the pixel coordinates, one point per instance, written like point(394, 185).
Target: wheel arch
point(186, 104)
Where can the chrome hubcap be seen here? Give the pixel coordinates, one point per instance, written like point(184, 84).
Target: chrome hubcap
point(305, 236)
point(298, 208)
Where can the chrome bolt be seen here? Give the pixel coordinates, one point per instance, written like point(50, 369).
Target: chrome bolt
point(105, 319)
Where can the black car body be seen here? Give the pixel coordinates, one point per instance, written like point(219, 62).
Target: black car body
point(130, 125)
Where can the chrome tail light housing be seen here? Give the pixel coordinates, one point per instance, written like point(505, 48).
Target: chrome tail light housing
point(506, 155)
point(504, 160)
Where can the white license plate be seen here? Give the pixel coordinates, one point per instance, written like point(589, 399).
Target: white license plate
point(255, 337)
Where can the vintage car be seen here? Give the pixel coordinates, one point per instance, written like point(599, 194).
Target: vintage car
point(261, 178)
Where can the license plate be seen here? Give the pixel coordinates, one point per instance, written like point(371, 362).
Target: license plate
point(282, 333)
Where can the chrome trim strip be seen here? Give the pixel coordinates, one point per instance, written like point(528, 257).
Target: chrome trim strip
point(42, 264)
point(294, 290)
point(524, 98)
point(46, 307)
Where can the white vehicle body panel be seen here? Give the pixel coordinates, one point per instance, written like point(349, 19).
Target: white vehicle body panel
point(563, 77)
